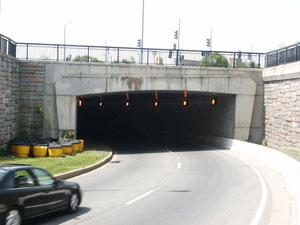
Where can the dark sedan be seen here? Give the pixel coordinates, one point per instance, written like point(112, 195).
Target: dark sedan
point(27, 191)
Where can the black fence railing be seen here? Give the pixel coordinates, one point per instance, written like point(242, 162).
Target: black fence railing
point(149, 56)
point(128, 55)
point(7, 46)
point(284, 55)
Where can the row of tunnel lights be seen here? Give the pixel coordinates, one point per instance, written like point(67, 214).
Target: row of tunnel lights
point(127, 103)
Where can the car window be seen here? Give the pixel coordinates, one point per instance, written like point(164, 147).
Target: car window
point(43, 178)
point(23, 179)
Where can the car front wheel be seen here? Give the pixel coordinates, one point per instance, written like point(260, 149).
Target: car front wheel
point(74, 203)
point(13, 217)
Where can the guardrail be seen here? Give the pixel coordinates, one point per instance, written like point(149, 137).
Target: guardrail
point(129, 55)
point(7, 46)
point(284, 55)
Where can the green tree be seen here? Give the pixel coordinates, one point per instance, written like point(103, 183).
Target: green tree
point(217, 60)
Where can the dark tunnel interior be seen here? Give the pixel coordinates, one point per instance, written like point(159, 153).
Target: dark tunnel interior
point(154, 115)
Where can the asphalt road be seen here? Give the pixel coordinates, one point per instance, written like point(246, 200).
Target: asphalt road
point(174, 185)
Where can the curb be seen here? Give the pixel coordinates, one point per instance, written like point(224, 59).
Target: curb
point(74, 173)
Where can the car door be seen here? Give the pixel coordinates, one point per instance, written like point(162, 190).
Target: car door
point(55, 193)
point(26, 192)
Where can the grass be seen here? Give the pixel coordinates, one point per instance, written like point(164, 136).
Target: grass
point(61, 164)
point(292, 153)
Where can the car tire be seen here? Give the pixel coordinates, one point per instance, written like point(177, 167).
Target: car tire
point(73, 203)
point(12, 217)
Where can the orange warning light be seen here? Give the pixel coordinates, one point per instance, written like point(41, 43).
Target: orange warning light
point(100, 104)
point(127, 104)
point(79, 103)
point(185, 94)
point(185, 103)
point(213, 101)
point(155, 104)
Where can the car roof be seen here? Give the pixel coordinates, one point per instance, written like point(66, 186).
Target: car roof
point(10, 167)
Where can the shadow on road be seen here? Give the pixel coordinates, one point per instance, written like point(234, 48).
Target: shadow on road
point(142, 145)
point(58, 218)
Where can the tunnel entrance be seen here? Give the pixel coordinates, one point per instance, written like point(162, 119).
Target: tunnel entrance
point(154, 114)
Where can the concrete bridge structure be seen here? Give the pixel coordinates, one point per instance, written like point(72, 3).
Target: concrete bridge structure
point(239, 93)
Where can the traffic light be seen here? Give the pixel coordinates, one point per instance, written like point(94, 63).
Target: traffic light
point(139, 43)
point(208, 42)
point(174, 46)
point(176, 35)
point(239, 54)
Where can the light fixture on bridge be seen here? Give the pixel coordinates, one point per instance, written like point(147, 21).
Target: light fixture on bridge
point(213, 101)
point(79, 102)
point(127, 103)
point(156, 99)
point(185, 101)
point(101, 102)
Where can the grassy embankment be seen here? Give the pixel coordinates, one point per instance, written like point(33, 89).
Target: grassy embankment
point(61, 164)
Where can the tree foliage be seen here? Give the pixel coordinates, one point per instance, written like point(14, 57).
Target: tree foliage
point(217, 60)
point(84, 58)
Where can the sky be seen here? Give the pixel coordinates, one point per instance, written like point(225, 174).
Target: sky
point(246, 25)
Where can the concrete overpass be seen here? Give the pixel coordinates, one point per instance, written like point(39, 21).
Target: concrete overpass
point(237, 114)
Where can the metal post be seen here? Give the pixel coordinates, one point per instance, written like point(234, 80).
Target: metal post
point(57, 57)
point(118, 55)
point(88, 54)
point(177, 55)
point(258, 61)
point(27, 51)
point(147, 56)
point(233, 60)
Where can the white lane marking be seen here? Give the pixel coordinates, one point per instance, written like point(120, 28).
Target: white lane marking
point(140, 197)
point(263, 200)
point(179, 165)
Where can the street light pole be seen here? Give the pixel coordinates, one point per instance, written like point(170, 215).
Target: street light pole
point(65, 36)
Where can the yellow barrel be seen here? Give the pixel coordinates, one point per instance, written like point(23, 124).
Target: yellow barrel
point(81, 145)
point(22, 151)
point(13, 149)
point(55, 151)
point(67, 149)
point(40, 151)
point(76, 147)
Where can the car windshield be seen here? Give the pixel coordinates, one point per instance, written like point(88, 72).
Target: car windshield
point(2, 174)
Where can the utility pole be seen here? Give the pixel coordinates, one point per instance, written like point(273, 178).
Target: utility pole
point(179, 35)
point(65, 37)
point(142, 40)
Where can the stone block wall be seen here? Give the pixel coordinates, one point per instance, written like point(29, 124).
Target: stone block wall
point(282, 114)
point(9, 107)
point(31, 98)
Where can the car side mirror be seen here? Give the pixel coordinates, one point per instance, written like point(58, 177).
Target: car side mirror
point(57, 182)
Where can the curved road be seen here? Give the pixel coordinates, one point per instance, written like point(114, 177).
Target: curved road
point(180, 185)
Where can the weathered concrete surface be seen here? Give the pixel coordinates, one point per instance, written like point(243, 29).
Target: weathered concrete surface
point(74, 79)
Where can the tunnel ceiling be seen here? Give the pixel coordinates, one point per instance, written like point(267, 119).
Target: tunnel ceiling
point(141, 118)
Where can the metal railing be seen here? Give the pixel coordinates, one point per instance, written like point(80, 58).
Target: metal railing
point(148, 56)
point(284, 55)
point(7, 46)
point(128, 55)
